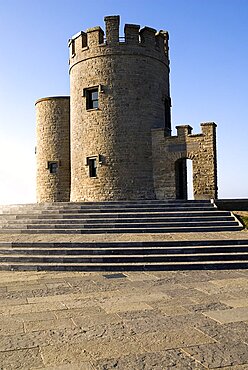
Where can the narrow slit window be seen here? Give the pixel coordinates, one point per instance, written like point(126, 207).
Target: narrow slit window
point(73, 49)
point(92, 167)
point(167, 116)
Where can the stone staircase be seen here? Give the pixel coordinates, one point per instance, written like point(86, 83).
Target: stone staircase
point(124, 256)
point(125, 218)
point(116, 217)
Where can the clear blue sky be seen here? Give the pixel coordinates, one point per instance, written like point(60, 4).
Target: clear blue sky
point(209, 77)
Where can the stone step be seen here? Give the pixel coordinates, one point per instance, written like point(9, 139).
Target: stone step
point(111, 210)
point(114, 207)
point(129, 244)
point(122, 225)
point(62, 251)
point(112, 220)
point(126, 258)
point(107, 206)
point(144, 214)
point(141, 266)
point(122, 230)
point(61, 205)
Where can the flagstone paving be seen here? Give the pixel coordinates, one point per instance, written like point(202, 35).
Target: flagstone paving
point(131, 321)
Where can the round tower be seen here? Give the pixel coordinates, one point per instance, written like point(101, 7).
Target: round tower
point(119, 92)
point(53, 149)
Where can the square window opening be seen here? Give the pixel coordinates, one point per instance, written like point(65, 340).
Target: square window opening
point(53, 167)
point(92, 97)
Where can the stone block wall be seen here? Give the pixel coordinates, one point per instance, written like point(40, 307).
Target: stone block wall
point(200, 148)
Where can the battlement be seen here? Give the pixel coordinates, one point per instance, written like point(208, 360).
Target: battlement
point(207, 128)
point(133, 36)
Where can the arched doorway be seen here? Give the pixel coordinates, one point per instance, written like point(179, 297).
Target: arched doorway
point(184, 178)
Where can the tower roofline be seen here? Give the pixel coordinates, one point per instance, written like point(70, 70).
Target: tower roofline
point(52, 98)
point(148, 38)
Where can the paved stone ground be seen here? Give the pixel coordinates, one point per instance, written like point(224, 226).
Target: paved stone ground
point(130, 321)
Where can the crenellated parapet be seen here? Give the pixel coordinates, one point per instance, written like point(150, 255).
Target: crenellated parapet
point(136, 40)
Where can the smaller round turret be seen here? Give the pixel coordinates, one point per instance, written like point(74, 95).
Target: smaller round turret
point(53, 149)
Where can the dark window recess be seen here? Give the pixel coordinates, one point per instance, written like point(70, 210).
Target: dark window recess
point(53, 167)
point(73, 53)
point(92, 167)
point(92, 99)
point(167, 116)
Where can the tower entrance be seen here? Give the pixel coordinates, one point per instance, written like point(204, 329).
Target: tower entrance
point(184, 179)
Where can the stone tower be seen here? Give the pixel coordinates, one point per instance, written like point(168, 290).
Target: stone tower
point(111, 140)
point(119, 92)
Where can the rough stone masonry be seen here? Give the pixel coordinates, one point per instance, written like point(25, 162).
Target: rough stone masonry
point(111, 139)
